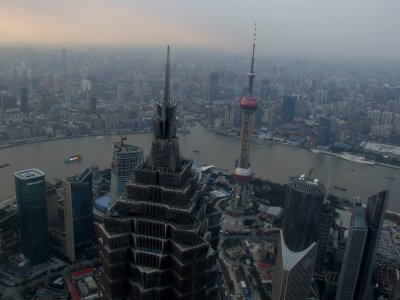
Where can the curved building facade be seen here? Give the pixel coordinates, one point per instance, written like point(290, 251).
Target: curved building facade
point(303, 207)
point(156, 243)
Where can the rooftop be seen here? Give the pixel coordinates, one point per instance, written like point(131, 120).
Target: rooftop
point(28, 174)
point(358, 215)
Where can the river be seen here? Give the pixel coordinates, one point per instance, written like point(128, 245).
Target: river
point(276, 162)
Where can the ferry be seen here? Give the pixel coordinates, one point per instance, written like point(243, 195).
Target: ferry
point(73, 158)
point(356, 158)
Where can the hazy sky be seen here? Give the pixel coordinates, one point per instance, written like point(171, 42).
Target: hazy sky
point(316, 28)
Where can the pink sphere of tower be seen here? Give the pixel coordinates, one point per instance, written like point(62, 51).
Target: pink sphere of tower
point(249, 103)
point(243, 175)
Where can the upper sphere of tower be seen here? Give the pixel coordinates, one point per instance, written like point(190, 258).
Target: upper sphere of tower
point(249, 103)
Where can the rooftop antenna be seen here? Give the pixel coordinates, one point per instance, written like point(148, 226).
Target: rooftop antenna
point(167, 80)
point(251, 73)
point(166, 94)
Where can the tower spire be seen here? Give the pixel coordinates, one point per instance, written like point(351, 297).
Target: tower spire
point(251, 73)
point(167, 80)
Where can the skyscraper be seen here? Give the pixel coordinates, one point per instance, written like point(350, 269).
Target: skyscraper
point(375, 215)
point(299, 234)
point(92, 105)
point(353, 253)
point(78, 212)
point(243, 174)
point(288, 107)
point(303, 207)
point(156, 244)
point(293, 273)
point(323, 131)
point(213, 86)
point(125, 159)
point(31, 199)
point(24, 99)
point(325, 224)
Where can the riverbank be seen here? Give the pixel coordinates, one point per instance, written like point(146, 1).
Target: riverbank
point(64, 137)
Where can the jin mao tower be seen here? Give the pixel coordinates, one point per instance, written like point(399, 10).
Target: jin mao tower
point(155, 244)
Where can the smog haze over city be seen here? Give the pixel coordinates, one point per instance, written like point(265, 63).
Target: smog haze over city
point(215, 149)
point(312, 29)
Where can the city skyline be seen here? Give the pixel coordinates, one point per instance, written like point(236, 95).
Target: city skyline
point(359, 30)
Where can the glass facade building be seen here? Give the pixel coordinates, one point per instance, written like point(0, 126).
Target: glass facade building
point(78, 212)
point(375, 215)
point(31, 199)
point(353, 253)
point(303, 207)
point(293, 273)
point(125, 159)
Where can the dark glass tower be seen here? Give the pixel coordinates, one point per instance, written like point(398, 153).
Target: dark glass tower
point(31, 199)
point(303, 207)
point(156, 242)
point(24, 99)
point(288, 107)
point(325, 225)
point(78, 212)
point(353, 253)
point(375, 215)
point(323, 131)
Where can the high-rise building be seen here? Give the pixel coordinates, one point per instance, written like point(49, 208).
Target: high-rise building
point(120, 94)
point(92, 105)
point(243, 174)
point(125, 160)
point(24, 99)
point(353, 253)
point(293, 272)
point(375, 215)
point(323, 131)
point(297, 244)
point(155, 244)
point(78, 212)
point(288, 107)
point(325, 225)
point(303, 207)
point(213, 86)
point(31, 199)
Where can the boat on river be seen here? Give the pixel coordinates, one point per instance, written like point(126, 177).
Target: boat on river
point(73, 158)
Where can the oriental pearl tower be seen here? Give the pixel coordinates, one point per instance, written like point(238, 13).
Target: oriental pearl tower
point(243, 174)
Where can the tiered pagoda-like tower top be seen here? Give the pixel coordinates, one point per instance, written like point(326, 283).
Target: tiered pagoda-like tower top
point(165, 154)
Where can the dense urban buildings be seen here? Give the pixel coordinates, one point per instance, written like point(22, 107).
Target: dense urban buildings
point(243, 174)
point(125, 159)
point(353, 253)
point(78, 213)
point(375, 215)
point(31, 198)
point(155, 244)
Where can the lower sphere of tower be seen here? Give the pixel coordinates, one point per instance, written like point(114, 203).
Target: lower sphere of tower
point(243, 175)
